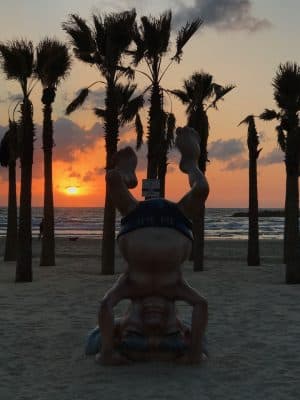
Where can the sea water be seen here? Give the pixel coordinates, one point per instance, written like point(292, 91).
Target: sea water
point(88, 223)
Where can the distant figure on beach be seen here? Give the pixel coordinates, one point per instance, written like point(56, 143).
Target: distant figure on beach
point(155, 239)
point(41, 229)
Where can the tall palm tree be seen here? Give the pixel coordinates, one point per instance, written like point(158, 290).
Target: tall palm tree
point(104, 46)
point(152, 39)
point(199, 94)
point(17, 62)
point(253, 258)
point(286, 84)
point(53, 64)
point(8, 157)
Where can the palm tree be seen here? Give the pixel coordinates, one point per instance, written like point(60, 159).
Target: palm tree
point(286, 84)
point(17, 62)
point(53, 64)
point(8, 157)
point(199, 94)
point(253, 258)
point(104, 46)
point(152, 39)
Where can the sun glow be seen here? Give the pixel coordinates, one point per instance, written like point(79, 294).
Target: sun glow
point(72, 190)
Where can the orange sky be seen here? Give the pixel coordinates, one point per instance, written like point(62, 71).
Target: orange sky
point(233, 54)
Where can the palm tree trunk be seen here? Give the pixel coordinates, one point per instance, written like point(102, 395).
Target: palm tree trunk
point(10, 253)
point(292, 230)
point(109, 222)
point(292, 207)
point(48, 239)
point(162, 172)
point(156, 129)
point(253, 258)
point(24, 257)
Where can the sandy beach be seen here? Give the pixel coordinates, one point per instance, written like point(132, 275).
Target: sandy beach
point(253, 331)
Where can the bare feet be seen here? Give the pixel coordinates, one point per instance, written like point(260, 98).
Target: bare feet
point(187, 142)
point(125, 164)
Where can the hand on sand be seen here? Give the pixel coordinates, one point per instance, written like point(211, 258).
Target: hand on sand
point(187, 142)
point(113, 358)
point(125, 164)
point(190, 358)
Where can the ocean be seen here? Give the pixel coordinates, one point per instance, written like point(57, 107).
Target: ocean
point(87, 223)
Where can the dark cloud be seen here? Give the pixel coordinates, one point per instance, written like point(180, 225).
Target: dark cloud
point(275, 156)
point(74, 174)
point(238, 163)
point(92, 174)
point(225, 149)
point(223, 14)
point(69, 137)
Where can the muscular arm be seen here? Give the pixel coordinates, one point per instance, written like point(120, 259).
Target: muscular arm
point(186, 293)
point(117, 293)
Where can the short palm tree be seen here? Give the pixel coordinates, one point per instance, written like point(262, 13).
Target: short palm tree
point(53, 64)
point(199, 94)
point(17, 62)
point(104, 46)
point(253, 232)
point(286, 84)
point(8, 157)
point(152, 39)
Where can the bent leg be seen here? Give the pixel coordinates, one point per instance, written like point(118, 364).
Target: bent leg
point(121, 178)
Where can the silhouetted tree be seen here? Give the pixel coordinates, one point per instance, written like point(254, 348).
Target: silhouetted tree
point(253, 231)
point(286, 84)
point(53, 64)
point(104, 46)
point(8, 157)
point(17, 62)
point(152, 39)
point(200, 93)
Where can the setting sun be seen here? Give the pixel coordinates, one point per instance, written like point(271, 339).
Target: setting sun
point(72, 190)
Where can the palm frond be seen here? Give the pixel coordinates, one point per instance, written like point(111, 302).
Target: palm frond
point(127, 71)
point(78, 101)
point(155, 33)
point(269, 115)
point(139, 131)
point(81, 37)
point(286, 85)
point(53, 62)
point(184, 35)
point(171, 122)
point(220, 92)
point(100, 112)
point(281, 138)
point(130, 109)
point(181, 95)
point(17, 60)
point(139, 51)
point(248, 120)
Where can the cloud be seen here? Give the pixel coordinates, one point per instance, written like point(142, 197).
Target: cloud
point(223, 14)
point(238, 163)
point(225, 149)
point(69, 137)
point(92, 174)
point(275, 156)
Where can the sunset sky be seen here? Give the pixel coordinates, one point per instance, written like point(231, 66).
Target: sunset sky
point(241, 42)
